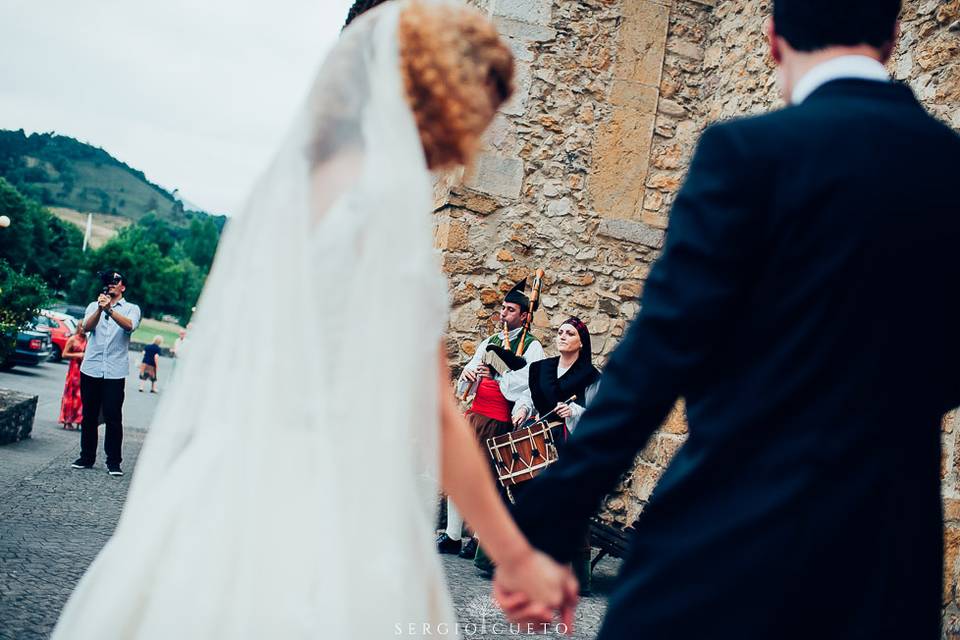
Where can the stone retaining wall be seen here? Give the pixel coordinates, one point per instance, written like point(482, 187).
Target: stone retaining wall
point(17, 411)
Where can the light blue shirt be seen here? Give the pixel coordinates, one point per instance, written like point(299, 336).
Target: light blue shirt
point(107, 345)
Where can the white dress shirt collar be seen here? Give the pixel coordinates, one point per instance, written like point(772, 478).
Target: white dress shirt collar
point(857, 67)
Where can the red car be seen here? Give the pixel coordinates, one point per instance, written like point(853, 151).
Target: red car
point(60, 327)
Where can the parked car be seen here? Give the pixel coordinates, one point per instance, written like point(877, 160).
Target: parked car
point(33, 347)
point(73, 310)
point(60, 326)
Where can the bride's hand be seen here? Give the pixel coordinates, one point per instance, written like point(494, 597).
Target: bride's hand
point(533, 588)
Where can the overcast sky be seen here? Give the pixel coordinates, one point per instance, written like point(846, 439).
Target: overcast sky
point(195, 93)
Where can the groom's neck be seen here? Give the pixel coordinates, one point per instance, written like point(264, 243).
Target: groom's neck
point(797, 64)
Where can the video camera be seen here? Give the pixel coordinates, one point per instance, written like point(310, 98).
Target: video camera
point(109, 277)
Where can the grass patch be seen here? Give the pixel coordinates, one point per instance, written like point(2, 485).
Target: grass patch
point(149, 328)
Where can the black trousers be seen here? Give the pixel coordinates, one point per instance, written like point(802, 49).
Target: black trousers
point(101, 394)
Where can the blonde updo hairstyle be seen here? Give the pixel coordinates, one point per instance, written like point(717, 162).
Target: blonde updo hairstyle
point(457, 71)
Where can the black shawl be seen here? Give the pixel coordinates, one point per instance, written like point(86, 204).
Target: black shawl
point(547, 389)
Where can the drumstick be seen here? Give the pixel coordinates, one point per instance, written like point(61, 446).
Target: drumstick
point(546, 415)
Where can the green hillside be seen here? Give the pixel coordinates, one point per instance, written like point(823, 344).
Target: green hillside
point(59, 171)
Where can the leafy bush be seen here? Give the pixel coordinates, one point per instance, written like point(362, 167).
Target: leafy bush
point(20, 297)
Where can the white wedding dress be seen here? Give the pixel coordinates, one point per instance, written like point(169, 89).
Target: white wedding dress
point(307, 402)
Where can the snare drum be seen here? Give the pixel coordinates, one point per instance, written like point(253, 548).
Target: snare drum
point(522, 454)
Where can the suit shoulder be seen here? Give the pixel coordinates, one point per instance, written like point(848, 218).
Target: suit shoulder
point(754, 128)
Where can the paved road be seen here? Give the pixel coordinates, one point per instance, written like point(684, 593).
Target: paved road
point(54, 520)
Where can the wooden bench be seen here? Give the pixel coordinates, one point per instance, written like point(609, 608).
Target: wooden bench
point(611, 540)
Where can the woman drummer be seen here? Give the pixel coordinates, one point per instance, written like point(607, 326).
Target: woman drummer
point(550, 383)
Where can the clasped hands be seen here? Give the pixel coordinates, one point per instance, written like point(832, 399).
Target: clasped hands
point(534, 590)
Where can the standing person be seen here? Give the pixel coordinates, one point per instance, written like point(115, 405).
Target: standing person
point(254, 498)
point(109, 321)
point(812, 330)
point(150, 364)
point(550, 383)
point(490, 412)
point(71, 405)
point(178, 343)
point(177, 351)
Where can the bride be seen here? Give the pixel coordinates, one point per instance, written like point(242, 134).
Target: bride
point(302, 505)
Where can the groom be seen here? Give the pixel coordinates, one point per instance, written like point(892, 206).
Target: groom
point(806, 307)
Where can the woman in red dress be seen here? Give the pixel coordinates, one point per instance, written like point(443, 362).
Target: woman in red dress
point(71, 408)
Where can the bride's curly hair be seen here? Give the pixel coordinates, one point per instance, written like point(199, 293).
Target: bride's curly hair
point(457, 72)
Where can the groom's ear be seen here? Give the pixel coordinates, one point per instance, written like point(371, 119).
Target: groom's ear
point(773, 40)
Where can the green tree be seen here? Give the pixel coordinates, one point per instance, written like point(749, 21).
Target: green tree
point(200, 245)
point(162, 232)
point(37, 242)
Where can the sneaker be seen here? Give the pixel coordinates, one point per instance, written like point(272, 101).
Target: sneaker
point(469, 551)
point(80, 464)
point(446, 544)
point(114, 470)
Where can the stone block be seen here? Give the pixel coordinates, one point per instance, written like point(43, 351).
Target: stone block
point(522, 79)
point(951, 551)
point(632, 231)
point(557, 208)
point(585, 299)
point(951, 510)
point(660, 449)
point(534, 12)
point(451, 235)
point(17, 411)
point(463, 293)
point(497, 176)
point(643, 39)
point(672, 108)
point(688, 50)
point(460, 264)
point(464, 317)
point(676, 422)
point(621, 155)
point(644, 479)
point(524, 31)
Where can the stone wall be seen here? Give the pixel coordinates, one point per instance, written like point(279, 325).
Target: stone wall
point(581, 167)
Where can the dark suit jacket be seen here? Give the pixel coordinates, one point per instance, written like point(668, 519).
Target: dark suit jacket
point(807, 307)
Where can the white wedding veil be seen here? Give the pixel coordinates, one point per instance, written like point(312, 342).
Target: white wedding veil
point(290, 473)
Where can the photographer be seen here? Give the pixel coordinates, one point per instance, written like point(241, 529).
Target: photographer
point(109, 322)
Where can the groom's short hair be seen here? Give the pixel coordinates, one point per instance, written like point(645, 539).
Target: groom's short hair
point(809, 25)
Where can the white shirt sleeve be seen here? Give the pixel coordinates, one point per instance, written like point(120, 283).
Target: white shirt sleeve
point(134, 317)
point(578, 409)
point(534, 352)
point(523, 403)
point(91, 308)
point(472, 365)
point(515, 386)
